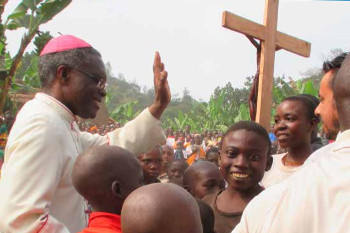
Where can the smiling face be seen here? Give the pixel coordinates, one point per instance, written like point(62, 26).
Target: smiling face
point(292, 126)
point(81, 94)
point(327, 109)
point(243, 159)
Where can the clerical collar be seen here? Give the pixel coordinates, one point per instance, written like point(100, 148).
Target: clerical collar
point(57, 105)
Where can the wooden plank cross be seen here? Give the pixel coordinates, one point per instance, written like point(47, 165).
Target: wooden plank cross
point(271, 40)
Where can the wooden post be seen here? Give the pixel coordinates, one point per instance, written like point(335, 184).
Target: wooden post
point(267, 62)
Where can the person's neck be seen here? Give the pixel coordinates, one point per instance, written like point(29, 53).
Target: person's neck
point(246, 194)
point(343, 113)
point(297, 156)
point(55, 94)
point(150, 180)
point(107, 208)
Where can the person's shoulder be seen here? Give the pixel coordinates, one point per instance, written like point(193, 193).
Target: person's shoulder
point(210, 198)
point(278, 156)
point(34, 109)
point(262, 204)
point(320, 153)
point(34, 118)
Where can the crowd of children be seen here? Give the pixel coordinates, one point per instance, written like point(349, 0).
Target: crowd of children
point(103, 129)
point(222, 173)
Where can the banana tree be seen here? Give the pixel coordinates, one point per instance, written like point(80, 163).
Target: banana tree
point(125, 112)
point(29, 14)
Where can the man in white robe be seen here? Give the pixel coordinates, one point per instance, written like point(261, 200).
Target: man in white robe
point(36, 190)
point(316, 198)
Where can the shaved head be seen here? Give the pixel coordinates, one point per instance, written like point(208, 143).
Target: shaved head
point(202, 178)
point(160, 208)
point(342, 94)
point(105, 176)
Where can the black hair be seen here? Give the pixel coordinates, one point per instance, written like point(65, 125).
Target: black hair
point(207, 216)
point(212, 150)
point(316, 102)
point(182, 162)
point(309, 104)
point(334, 65)
point(49, 63)
point(250, 126)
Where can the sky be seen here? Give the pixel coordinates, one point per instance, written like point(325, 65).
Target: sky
point(198, 53)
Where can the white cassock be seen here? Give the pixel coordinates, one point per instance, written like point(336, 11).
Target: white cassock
point(36, 191)
point(315, 199)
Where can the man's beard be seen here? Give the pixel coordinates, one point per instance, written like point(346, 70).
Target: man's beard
point(331, 134)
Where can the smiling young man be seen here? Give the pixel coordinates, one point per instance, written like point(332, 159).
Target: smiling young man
point(36, 189)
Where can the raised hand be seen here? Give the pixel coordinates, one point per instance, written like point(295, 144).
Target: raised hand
point(161, 88)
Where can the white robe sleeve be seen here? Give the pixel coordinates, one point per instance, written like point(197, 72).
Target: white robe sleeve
point(138, 136)
point(30, 178)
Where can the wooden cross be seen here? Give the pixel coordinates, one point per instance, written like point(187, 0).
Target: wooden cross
point(271, 40)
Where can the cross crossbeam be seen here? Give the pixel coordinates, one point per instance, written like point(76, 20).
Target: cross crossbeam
point(271, 40)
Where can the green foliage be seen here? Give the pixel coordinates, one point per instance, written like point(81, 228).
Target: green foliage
point(226, 106)
point(29, 14)
point(125, 112)
point(31, 77)
point(40, 41)
point(32, 13)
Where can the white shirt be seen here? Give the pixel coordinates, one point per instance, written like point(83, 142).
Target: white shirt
point(36, 190)
point(315, 199)
point(278, 172)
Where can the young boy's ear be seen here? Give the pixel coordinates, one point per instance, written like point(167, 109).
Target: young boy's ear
point(269, 162)
point(116, 189)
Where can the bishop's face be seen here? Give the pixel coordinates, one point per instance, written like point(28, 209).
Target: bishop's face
point(83, 94)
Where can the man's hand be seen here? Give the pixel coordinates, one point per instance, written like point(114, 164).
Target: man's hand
point(161, 88)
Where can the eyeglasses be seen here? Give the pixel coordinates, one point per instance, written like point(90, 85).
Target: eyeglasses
point(100, 83)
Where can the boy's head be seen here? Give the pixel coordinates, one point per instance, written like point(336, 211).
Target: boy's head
point(197, 139)
point(203, 178)
point(160, 208)
point(244, 155)
point(179, 145)
point(212, 155)
point(207, 216)
point(151, 163)
point(105, 176)
point(167, 156)
point(176, 169)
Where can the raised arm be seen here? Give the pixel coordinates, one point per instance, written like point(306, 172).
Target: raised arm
point(161, 88)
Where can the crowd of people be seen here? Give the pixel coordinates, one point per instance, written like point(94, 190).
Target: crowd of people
point(101, 129)
point(63, 176)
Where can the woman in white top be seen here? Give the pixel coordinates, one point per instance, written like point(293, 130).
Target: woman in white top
point(294, 122)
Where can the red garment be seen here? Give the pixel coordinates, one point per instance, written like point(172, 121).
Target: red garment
point(101, 222)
